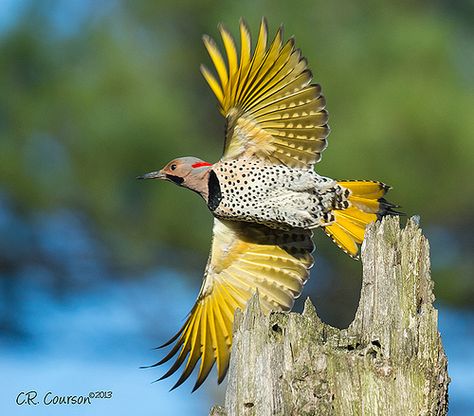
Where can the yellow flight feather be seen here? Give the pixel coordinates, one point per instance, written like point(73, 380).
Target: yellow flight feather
point(366, 189)
point(260, 48)
point(230, 50)
point(342, 239)
point(245, 45)
point(217, 60)
point(213, 83)
point(217, 326)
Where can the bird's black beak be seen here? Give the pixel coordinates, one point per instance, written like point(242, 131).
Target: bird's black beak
point(153, 175)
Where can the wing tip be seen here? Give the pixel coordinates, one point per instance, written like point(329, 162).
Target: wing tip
point(206, 38)
point(223, 373)
point(263, 27)
point(201, 379)
point(222, 29)
point(184, 376)
point(243, 23)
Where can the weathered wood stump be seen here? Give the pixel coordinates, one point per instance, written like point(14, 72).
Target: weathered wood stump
point(390, 361)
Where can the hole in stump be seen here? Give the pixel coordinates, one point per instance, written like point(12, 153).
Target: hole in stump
point(277, 328)
point(376, 343)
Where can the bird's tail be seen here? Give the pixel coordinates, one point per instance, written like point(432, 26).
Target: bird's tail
point(364, 203)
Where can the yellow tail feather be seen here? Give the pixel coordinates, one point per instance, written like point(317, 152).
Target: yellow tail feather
point(366, 205)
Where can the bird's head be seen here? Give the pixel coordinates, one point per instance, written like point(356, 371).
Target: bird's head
point(189, 172)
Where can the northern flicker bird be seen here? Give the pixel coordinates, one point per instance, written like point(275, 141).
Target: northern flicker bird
point(264, 194)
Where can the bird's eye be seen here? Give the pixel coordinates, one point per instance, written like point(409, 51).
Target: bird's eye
point(173, 167)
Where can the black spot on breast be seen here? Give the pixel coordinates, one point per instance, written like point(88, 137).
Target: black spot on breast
point(214, 191)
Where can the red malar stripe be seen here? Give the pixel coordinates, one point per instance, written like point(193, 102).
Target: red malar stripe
point(201, 164)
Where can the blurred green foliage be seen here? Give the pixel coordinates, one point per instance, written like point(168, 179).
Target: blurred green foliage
point(94, 95)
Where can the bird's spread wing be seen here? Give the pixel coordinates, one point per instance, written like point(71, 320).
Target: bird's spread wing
point(272, 110)
point(243, 258)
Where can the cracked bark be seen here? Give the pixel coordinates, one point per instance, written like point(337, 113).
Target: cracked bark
point(390, 361)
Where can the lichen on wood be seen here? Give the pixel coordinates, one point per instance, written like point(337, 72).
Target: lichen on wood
point(389, 361)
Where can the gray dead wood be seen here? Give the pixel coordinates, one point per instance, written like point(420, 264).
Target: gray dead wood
point(390, 361)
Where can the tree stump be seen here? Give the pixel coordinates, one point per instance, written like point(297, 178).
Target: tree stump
point(390, 361)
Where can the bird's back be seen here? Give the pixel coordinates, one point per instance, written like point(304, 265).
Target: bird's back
point(275, 195)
